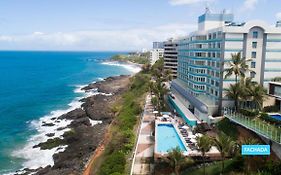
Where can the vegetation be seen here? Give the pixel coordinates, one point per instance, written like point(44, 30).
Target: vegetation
point(204, 145)
point(228, 128)
point(226, 147)
point(265, 117)
point(142, 58)
point(277, 79)
point(249, 113)
point(237, 66)
point(244, 90)
point(122, 133)
point(231, 165)
point(157, 86)
point(50, 144)
point(177, 160)
point(273, 108)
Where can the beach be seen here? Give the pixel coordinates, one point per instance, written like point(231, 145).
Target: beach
point(86, 129)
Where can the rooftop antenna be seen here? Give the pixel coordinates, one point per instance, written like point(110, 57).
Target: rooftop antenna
point(207, 10)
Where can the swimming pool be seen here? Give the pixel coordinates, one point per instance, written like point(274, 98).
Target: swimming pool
point(276, 116)
point(167, 138)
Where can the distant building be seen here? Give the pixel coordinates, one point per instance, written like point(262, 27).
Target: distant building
point(203, 56)
point(275, 91)
point(156, 54)
point(158, 45)
point(171, 56)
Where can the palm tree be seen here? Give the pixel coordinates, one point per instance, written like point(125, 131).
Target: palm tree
point(249, 141)
point(258, 94)
point(237, 66)
point(168, 75)
point(234, 93)
point(204, 144)
point(246, 85)
point(146, 67)
point(225, 145)
point(176, 159)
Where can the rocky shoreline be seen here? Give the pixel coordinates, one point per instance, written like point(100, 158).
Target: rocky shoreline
point(86, 130)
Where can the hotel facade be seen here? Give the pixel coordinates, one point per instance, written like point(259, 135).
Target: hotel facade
point(203, 56)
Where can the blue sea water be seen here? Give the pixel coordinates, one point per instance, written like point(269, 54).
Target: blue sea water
point(33, 84)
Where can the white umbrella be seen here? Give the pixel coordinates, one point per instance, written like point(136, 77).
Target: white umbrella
point(192, 136)
point(193, 140)
point(166, 116)
point(155, 112)
point(185, 127)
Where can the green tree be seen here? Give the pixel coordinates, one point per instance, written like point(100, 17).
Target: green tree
point(248, 159)
point(177, 160)
point(204, 144)
point(258, 94)
point(234, 93)
point(226, 147)
point(146, 67)
point(237, 66)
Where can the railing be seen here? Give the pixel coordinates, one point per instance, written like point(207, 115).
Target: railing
point(257, 125)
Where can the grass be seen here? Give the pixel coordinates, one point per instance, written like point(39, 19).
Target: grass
point(215, 168)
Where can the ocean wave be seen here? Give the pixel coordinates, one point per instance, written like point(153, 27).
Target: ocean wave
point(130, 67)
point(35, 157)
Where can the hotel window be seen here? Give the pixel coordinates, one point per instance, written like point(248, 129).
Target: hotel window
point(253, 64)
point(254, 45)
point(252, 74)
point(255, 34)
point(254, 54)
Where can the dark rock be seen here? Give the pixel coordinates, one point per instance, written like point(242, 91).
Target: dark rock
point(50, 134)
point(48, 124)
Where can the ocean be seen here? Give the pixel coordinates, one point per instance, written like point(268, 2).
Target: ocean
point(36, 86)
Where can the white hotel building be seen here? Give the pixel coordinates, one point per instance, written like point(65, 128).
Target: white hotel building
point(202, 58)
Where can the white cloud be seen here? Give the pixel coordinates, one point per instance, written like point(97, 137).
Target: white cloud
point(278, 16)
point(250, 4)
point(187, 2)
point(130, 39)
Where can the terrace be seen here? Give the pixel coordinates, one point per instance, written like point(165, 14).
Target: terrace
point(260, 127)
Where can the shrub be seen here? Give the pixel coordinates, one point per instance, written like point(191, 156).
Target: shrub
point(271, 109)
point(115, 163)
point(267, 118)
point(249, 113)
point(228, 128)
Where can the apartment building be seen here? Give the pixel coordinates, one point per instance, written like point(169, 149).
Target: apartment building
point(171, 56)
point(156, 54)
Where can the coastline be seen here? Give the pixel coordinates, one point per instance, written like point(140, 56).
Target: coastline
point(81, 116)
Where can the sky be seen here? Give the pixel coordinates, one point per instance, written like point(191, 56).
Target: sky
point(113, 25)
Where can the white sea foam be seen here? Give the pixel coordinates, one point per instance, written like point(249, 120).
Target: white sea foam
point(130, 67)
point(35, 157)
point(95, 122)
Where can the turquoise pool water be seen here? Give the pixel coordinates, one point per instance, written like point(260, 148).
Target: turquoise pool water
point(276, 116)
point(168, 138)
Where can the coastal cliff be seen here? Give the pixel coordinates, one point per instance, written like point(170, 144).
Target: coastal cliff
point(87, 128)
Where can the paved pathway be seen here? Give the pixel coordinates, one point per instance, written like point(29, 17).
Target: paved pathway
point(143, 156)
